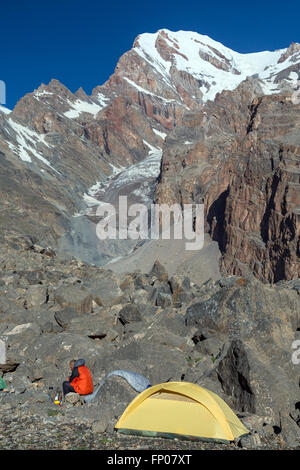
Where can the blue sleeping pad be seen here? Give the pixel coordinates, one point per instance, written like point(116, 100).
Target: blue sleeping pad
point(137, 381)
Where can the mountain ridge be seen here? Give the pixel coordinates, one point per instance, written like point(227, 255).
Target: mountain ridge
point(63, 144)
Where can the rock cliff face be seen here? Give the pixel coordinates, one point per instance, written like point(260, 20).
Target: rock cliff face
point(261, 223)
point(241, 158)
point(225, 122)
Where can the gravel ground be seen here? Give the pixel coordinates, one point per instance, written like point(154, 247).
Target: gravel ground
point(23, 432)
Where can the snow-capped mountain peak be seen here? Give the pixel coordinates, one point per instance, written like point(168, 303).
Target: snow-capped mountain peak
point(213, 65)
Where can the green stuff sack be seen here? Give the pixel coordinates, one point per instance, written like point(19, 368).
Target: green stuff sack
point(2, 384)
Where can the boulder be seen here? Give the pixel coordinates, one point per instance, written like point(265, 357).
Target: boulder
point(208, 346)
point(163, 300)
point(100, 426)
point(76, 298)
point(160, 295)
point(105, 289)
point(35, 296)
point(142, 281)
point(250, 441)
point(64, 317)
point(114, 396)
point(233, 371)
point(130, 313)
point(290, 431)
point(257, 324)
point(51, 327)
point(72, 398)
point(180, 288)
point(256, 423)
point(140, 296)
point(159, 271)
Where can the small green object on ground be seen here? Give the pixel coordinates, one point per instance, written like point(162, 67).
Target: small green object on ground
point(2, 384)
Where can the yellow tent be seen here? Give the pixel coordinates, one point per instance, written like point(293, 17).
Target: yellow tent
point(183, 409)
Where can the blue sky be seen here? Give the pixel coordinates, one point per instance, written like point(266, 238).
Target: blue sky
point(80, 41)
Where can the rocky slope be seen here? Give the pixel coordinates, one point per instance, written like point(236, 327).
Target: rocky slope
point(233, 336)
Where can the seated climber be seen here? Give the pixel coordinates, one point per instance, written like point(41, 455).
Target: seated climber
point(80, 380)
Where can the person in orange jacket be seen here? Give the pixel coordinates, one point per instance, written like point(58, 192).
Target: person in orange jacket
point(80, 380)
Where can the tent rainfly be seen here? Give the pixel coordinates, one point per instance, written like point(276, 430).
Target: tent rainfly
point(181, 409)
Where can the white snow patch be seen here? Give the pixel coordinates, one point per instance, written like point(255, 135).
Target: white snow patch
point(4, 110)
point(161, 134)
point(293, 76)
point(90, 201)
point(80, 106)
point(27, 140)
point(95, 188)
point(152, 150)
point(102, 99)
point(148, 168)
point(89, 197)
point(101, 185)
point(147, 92)
point(116, 170)
point(43, 93)
point(20, 151)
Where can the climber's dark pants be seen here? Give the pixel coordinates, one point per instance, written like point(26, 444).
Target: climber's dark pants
point(67, 388)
